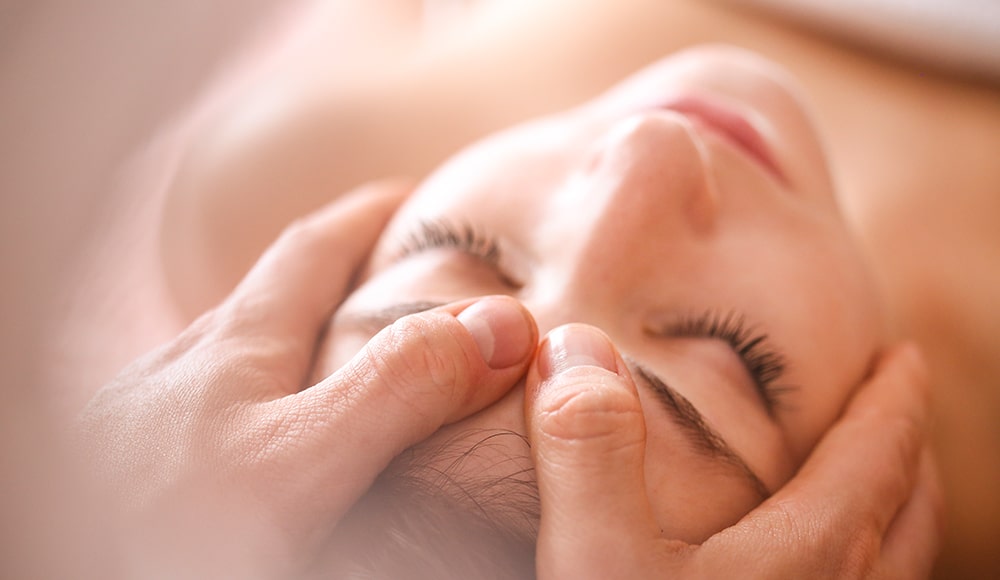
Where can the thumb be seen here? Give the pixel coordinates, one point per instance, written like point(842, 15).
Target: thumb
point(419, 373)
point(588, 437)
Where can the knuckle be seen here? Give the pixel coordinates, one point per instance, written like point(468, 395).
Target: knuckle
point(205, 330)
point(420, 361)
point(589, 406)
point(803, 526)
point(265, 437)
point(233, 318)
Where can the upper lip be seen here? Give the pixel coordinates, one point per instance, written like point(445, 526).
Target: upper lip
point(730, 124)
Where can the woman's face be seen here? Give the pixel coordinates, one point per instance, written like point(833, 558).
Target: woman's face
point(689, 214)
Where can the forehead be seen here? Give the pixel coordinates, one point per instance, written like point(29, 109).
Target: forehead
point(535, 156)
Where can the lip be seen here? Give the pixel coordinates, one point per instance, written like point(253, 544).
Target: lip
point(731, 125)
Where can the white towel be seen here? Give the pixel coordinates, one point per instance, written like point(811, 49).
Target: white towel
point(960, 35)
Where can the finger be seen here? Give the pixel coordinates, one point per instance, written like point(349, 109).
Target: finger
point(867, 463)
point(841, 502)
point(588, 437)
point(914, 537)
point(419, 373)
point(291, 292)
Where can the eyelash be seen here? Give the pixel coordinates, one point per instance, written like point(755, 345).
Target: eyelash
point(464, 237)
point(765, 364)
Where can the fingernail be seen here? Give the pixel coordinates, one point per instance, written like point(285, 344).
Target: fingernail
point(575, 345)
point(502, 330)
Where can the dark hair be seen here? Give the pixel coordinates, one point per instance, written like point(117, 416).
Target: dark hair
point(423, 521)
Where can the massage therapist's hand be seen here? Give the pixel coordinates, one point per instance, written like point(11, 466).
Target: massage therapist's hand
point(866, 504)
point(227, 465)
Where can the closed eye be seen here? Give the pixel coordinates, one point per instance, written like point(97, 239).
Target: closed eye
point(764, 363)
point(441, 234)
point(462, 237)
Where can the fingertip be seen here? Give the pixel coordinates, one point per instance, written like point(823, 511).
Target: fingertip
point(579, 390)
point(900, 387)
point(575, 345)
point(379, 198)
point(504, 330)
point(391, 190)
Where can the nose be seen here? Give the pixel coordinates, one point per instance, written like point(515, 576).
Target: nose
point(649, 172)
point(639, 202)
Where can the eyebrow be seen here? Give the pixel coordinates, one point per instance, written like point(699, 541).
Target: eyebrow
point(704, 439)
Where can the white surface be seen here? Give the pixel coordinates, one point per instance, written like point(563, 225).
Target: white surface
point(961, 35)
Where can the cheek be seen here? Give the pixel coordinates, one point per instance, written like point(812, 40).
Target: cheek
point(692, 497)
point(837, 325)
